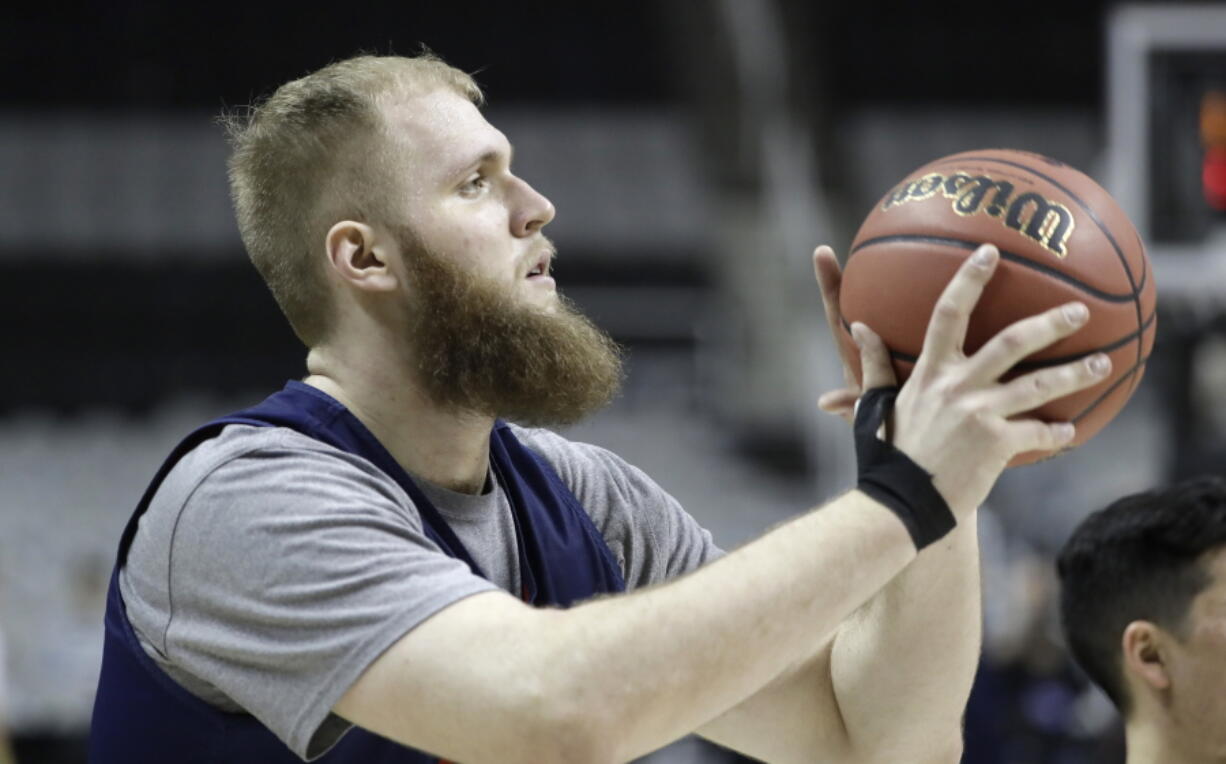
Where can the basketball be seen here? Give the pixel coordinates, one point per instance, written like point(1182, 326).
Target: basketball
point(1061, 238)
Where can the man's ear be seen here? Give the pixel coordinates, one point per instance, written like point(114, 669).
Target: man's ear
point(1146, 650)
point(359, 256)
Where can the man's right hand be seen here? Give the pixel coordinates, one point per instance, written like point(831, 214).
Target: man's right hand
point(954, 417)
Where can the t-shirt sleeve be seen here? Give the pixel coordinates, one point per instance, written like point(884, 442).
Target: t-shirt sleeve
point(648, 531)
point(292, 571)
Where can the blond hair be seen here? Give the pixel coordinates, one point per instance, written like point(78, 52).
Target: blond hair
point(309, 156)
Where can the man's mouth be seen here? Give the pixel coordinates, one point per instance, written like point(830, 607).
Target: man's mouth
point(540, 267)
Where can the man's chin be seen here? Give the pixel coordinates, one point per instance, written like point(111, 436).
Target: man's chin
point(524, 354)
point(546, 301)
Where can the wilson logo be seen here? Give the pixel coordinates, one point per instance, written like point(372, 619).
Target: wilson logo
point(1046, 221)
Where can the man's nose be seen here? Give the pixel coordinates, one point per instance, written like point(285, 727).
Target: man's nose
point(533, 211)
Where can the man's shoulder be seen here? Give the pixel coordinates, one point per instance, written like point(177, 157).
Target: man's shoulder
point(593, 472)
point(543, 440)
point(258, 460)
point(572, 459)
point(238, 441)
point(646, 528)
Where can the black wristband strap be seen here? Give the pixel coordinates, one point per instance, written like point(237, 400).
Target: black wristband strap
point(892, 478)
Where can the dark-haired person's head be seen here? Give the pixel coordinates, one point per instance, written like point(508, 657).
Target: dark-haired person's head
point(1143, 604)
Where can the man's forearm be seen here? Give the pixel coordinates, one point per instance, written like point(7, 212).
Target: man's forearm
point(902, 666)
point(614, 678)
point(662, 662)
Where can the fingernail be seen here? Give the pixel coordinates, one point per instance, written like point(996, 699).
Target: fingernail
point(1076, 313)
point(984, 255)
point(1064, 432)
point(1099, 364)
point(857, 333)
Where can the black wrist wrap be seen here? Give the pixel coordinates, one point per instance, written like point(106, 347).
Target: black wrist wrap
point(889, 476)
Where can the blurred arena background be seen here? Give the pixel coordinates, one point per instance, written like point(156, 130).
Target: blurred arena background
point(696, 151)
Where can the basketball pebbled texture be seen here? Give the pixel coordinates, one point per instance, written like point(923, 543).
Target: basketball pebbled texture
point(1061, 238)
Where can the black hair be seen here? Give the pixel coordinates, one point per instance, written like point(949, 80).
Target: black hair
point(1138, 559)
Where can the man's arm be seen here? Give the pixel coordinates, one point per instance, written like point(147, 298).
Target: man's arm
point(892, 683)
point(490, 679)
point(902, 666)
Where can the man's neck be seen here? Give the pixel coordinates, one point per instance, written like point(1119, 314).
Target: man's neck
point(1154, 743)
point(444, 447)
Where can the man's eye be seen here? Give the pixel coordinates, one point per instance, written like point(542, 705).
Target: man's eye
point(474, 186)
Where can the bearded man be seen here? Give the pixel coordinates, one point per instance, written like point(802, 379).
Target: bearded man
point(373, 565)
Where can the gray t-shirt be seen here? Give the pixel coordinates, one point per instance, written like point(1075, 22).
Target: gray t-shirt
point(271, 569)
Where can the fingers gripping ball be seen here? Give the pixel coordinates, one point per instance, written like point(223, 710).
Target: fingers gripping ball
point(1061, 238)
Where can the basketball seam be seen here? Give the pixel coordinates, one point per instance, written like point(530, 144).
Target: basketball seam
point(1132, 374)
point(1119, 253)
point(898, 355)
point(1144, 277)
point(1012, 257)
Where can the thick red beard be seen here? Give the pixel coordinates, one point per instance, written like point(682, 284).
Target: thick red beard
point(480, 350)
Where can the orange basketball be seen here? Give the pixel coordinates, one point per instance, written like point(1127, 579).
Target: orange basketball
point(1061, 238)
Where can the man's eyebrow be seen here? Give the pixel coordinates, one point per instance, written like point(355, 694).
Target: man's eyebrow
point(489, 155)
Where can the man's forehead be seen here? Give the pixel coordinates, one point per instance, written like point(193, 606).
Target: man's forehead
point(443, 125)
point(1213, 598)
point(1214, 561)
